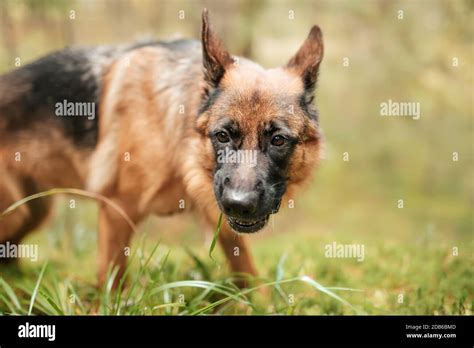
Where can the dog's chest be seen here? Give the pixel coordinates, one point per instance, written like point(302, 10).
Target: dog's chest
point(169, 199)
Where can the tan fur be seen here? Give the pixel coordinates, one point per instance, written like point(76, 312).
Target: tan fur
point(170, 155)
point(30, 164)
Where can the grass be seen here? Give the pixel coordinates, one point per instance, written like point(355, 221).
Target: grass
point(168, 278)
point(49, 299)
point(150, 290)
point(408, 252)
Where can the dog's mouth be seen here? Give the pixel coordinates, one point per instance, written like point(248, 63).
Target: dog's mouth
point(247, 226)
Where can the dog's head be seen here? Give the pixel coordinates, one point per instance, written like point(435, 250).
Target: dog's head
point(261, 126)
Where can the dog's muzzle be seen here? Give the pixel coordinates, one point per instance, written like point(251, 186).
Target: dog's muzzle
point(252, 226)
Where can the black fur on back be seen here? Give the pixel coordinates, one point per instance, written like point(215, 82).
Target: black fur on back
point(29, 94)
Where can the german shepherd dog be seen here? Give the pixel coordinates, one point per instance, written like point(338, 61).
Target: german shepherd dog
point(160, 116)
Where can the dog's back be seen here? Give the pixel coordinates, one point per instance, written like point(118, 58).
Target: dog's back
point(40, 149)
point(28, 95)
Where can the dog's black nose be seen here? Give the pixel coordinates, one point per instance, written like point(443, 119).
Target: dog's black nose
point(237, 203)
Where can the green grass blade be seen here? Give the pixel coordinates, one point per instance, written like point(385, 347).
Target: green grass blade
point(77, 299)
point(218, 288)
point(140, 273)
point(168, 305)
point(11, 294)
point(325, 290)
point(199, 264)
point(305, 279)
point(47, 301)
point(216, 235)
point(35, 291)
point(280, 273)
point(10, 307)
point(342, 289)
point(72, 191)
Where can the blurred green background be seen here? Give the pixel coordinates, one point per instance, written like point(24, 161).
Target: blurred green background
point(407, 251)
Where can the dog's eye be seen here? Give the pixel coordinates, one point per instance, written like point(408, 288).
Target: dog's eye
point(278, 140)
point(223, 137)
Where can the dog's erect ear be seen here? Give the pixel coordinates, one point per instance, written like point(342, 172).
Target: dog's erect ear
point(215, 55)
point(306, 61)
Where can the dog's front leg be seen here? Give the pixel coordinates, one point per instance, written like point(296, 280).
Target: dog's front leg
point(114, 243)
point(238, 254)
